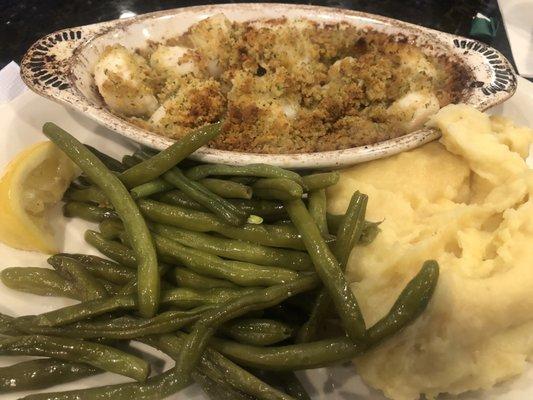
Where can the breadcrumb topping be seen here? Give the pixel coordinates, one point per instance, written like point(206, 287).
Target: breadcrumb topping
point(288, 86)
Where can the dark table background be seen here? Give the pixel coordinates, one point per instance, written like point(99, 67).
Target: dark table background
point(24, 21)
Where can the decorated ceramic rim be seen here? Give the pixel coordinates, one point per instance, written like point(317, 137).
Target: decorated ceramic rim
point(59, 67)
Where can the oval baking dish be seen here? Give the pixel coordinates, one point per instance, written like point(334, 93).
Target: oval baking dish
point(60, 66)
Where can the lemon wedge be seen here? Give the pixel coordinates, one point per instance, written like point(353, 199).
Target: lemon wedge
point(34, 181)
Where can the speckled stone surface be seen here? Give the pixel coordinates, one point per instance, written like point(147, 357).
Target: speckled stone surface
point(23, 22)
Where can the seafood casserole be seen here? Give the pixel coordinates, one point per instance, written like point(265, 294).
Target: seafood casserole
point(279, 86)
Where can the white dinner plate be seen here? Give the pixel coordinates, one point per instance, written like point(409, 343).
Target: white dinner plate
point(20, 126)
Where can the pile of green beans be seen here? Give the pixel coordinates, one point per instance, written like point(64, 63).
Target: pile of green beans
point(232, 271)
point(148, 283)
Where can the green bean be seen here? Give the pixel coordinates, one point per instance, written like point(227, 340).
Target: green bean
point(160, 163)
point(118, 252)
point(39, 281)
point(166, 322)
point(285, 380)
point(159, 387)
point(102, 268)
point(238, 272)
point(118, 328)
point(97, 355)
point(225, 203)
point(114, 250)
point(207, 325)
point(91, 260)
point(217, 389)
point(129, 161)
point(207, 375)
point(320, 181)
point(149, 188)
point(85, 310)
point(117, 275)
point(271, 194)
point(277, 189)
point(334, 221)
point(321, 308)
point(214, 203)
point(141, 156)
point(410, 304)
point(128, 288)
point(245, 180)
point(219, 386)
point(264, 208)
point(87, 195)
point(86, 211)
point(291, 357)
point(290, 383)
point(236, 249)
point(72, 270)
point(284, 222)
point(187, 278)
point(42, 373)
point(348, 234)
point(147, 272)
point(268, 235)
point(6, 325)
point(184, 298)
point(111, 163)
point(286, 313)
point(329, 271)
point(110, 229)
point(227, 189)
point(351, 228)
point(256, 170)
point(370, 231)
point(178, 198)
point(145, 152)
point(156, 388)
point(213, 362)
point(317, 209)
point(257, 332)
point(111, 288)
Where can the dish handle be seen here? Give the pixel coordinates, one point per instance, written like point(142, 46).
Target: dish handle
point(494, 79)
point(46, 66)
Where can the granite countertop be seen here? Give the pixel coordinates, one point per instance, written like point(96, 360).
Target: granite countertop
point(23, 22)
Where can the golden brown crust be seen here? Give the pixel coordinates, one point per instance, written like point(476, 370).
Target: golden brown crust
point(298, 86)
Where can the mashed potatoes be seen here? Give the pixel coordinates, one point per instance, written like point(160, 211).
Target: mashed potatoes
point(465, 202)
